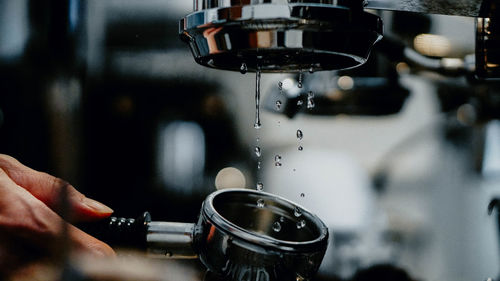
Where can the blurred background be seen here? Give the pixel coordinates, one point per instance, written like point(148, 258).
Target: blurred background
point(400, 162)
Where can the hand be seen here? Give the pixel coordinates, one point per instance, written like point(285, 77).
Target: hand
point(30, 222)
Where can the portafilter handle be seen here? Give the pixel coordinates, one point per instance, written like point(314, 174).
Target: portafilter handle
point(159, 239)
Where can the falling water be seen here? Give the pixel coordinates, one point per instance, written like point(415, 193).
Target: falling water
point(300, 134)
point(257, 124)
point(258, 152)
point(277, 161)
point(243, 68)
point(310, 100)
point(278, 105)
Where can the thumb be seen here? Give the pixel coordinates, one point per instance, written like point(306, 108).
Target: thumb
point(49, 190)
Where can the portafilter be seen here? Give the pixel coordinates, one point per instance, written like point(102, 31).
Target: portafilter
point(240, 235)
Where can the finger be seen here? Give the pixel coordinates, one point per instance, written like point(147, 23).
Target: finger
point(22, 216)
point(48, 189)
point(21, 212)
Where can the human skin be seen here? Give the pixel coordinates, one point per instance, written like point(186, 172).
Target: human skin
point(31, 224)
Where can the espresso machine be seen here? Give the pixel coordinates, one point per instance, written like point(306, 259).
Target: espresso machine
point(342, 36)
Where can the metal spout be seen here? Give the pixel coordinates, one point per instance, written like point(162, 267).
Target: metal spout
point(280, 35)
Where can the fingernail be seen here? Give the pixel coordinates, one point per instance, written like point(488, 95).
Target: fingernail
point(97, 206)
point(104, 253)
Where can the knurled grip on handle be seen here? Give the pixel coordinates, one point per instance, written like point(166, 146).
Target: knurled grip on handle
point(120, 232)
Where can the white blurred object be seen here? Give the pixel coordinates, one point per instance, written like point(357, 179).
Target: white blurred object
point(230, 178)
point(181, 156)
point(13, 28)
point(335, 187)
point(491, 159)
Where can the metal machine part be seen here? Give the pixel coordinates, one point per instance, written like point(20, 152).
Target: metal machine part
point(279, 35)
point(240, 235)
point(469, 8)
point(488, 45)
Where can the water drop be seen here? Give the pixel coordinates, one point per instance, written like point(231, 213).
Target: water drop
point(282, 219)
point(277, 161)
point(300, 148)
point(280, 85)
point(311, 70)
point(301, 224)
point(310, 104)
point(257, 123)
point(258, 151)
point(297, 211)
point(310, 100)
point(295, 170)
point(302, 195)
point(260, 186)
point(301, 78)
point(258, 165)
point(257, 139)
point(243, 68)
point(260, 203)
point(300, 102)
point(276, 227)
point(300, 135)
point(278, 104)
